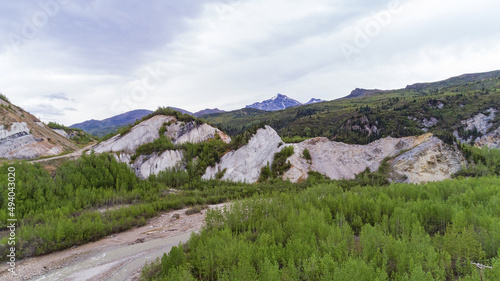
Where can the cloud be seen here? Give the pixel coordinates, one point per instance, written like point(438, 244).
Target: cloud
point(57, 96)
point(98, 56)
point(45, 110)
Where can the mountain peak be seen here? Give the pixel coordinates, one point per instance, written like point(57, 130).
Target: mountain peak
point(278, 102)
point(314, 100)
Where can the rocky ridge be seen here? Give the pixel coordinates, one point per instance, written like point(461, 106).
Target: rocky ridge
point(23, 136)
point(411, 159)
point(124, 146)
point(343, 161)
point(415, 158)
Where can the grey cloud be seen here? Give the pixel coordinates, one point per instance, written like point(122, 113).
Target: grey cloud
point(113, 36)
point(57, 96)
point(45, 110)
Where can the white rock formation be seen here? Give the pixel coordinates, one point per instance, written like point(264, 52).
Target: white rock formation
point(429, 123)
point(17, 128)
point(146, 165)
point(430, 161)
point(343, 161)
point(201, 133)
point(17, 142)
point(148, 130)
point(244, 164)
point(62, 133)
point(145, 132)
point(482, 124)
point(491, 139)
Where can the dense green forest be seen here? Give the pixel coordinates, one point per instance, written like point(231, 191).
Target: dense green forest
point(79, 204)
point(397, 232)
point(363, 119)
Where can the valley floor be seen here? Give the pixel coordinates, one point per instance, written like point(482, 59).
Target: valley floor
point(116, 257)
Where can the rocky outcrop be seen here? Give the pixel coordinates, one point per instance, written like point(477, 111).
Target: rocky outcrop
point(244, 164)
point(17, 142)
point(430, 161)
point(415, 159)
point(195, 134)
point(429, 122)
point(62, 133)
point(149, 130)
point(491, 139)
point(343, 161)
point(15, 129)
point(146, 165)
point(145, 132)
point(482, 124)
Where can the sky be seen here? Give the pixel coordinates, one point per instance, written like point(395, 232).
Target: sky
point(68, 61)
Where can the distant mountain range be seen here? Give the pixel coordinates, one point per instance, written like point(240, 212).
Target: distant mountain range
point(279, 102)
point(313, 100)
point(207, 111)
point(103, 127)
point(100, 128)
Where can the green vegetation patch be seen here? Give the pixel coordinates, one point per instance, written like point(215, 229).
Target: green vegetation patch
point(400, 232)
point(4, 98)
point(77, 135)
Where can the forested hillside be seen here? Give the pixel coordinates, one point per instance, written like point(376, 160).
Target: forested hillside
point(399, 232)
point(395, 113)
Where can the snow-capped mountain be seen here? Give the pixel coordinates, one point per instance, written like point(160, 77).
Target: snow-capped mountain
point(313, 100)
point(277, 102)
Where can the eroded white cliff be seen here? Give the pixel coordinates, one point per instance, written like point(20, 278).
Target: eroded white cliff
point(244, 164)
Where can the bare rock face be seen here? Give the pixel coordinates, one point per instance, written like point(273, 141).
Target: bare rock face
point(244, 164)
point(430, 161)
point(491, 140)
point(145, 132)
point(482, 123)
point(16, 129)
point(146, 165)
point(429, 123)
point(148, 130)
point(62, 133)
point(200, 134)
point(17, 142)
point(343, 161)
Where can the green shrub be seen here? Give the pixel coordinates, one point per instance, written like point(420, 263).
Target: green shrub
point(280, 165)
point(306, 154)
point(4, 98)
point(158, 145)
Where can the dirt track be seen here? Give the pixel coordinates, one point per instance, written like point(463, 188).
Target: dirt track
point(70, 155)
point(116, 257)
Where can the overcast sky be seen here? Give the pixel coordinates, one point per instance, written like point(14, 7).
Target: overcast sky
point(73, 60)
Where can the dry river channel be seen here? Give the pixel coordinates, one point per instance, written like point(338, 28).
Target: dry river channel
point(117, 257)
